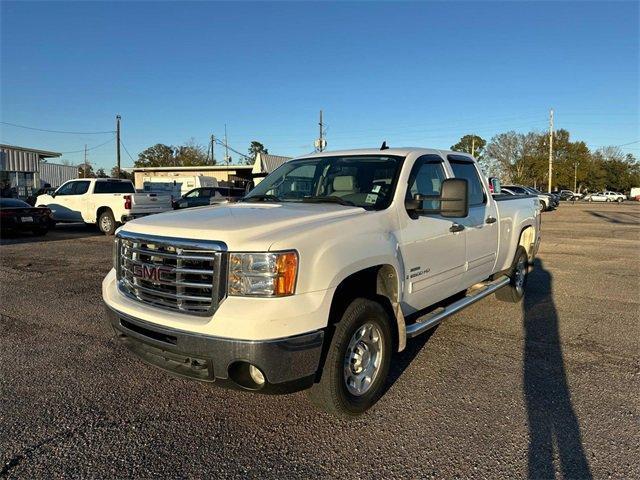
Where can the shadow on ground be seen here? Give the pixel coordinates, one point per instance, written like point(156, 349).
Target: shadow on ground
point(553, 426)
point(60, 232)
point(621, 218)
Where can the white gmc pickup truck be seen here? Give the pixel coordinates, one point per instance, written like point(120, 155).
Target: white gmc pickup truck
point(320, 273)
point(105, 201)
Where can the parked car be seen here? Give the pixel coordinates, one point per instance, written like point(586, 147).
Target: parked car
point(570, 195)
point(606, 196)
point(331, 262)
point(546, 202)
point(554, 198)
point(199, 197)
point(16, 215)
point(105, 201)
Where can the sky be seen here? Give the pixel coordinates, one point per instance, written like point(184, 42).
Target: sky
point(413, 74)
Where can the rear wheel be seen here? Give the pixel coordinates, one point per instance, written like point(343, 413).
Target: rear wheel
point(514, 291)
point(106, 222)
point(543, 205)
point(619, 200)
point(608, 199)
point(357, 362)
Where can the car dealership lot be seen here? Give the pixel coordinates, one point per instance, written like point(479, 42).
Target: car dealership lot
point(497, 390)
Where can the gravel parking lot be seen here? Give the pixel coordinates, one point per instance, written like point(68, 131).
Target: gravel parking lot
point(547, 387)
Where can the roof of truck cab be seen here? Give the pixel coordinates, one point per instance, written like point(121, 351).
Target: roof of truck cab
point(399, 151)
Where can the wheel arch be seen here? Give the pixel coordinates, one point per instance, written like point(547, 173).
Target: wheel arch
point(527, 240)
point(380, 283)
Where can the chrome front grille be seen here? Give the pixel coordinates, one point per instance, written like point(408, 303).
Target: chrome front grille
point(171, 273)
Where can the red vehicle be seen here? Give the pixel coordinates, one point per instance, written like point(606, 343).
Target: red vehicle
point(16, 215)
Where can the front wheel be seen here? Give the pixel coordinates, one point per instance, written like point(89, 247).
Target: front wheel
point(357, 361)
point(514, 291)
point(543, 206)
point(608, 199)
point(619, 200)
point(106, 222)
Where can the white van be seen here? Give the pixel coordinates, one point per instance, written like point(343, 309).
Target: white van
point(177, 186)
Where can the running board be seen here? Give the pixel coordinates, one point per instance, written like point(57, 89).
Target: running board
point(430, 320)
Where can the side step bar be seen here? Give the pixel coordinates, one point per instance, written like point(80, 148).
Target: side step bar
point(432, 319)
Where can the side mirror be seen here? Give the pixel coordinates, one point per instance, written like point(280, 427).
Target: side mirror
point(53, 194)
point(494, 185)
point(453, 200)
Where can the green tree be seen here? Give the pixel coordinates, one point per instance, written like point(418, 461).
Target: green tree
point(189, 155)
point(100, 173)
point(85, 170)
point(255, 148)
point(123, 174)
point(159, 155)
point(472, 144)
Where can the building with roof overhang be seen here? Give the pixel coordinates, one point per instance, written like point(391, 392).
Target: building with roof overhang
point(23, 170)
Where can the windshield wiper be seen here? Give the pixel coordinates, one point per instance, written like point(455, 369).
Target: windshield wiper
point(329, 199)
point(261, 198)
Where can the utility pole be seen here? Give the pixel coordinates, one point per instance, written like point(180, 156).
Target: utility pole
point(321, 143)
point(575, 177)
point(84, 168)
point(118, 145)
point(321, 147)
point(213, 154)
point(226, 146)
point(550, 149)
point(473, 144)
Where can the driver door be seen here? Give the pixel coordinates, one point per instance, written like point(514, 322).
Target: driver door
point(59, 205)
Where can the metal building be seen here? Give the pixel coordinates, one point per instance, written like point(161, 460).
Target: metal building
point(55, 174)
point(19, 169)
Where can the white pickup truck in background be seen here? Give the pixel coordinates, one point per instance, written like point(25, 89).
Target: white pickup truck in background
point(105, 201)
point(320, 273)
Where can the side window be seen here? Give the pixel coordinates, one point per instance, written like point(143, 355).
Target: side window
point(80, 188)
point(66, 189)
point(468, 171)
point(193, 194)
point(426, 178)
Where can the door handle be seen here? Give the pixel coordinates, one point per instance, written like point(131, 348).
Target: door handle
point(491, 220)
point(456, 227)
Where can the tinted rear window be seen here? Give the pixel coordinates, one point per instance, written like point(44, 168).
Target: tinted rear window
point(13, 203)
point(114, 187)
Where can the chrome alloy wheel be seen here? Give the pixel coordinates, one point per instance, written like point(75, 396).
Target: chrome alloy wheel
point(105, 223)
point(520, 274)
point(363, 359)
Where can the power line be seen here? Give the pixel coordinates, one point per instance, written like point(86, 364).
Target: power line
point(125, 149)
point(57, 131)
point(91, 148)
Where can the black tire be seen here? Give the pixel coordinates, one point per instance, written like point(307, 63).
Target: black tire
point(543, 205)
point(518, 273)
point(39, 231)
point(51, 224)
point(619, 200)
point(106, 222)
point(332, 393)
point(608, 200)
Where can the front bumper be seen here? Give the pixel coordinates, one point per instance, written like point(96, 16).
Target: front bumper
point(289, 364)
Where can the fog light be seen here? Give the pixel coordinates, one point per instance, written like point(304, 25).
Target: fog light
point(256, 375)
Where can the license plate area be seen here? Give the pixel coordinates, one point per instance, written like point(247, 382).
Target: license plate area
point(26, 219)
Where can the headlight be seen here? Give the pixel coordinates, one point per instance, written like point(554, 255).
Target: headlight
point(263, 274)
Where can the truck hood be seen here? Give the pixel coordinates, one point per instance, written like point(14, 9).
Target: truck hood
point(242, 226)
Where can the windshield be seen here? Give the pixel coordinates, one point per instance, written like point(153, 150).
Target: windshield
point(362, 181)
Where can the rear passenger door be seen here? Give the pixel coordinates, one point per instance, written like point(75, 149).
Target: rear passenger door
point(481, 225)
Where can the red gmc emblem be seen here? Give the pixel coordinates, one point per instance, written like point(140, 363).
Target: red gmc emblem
point(152, 273)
